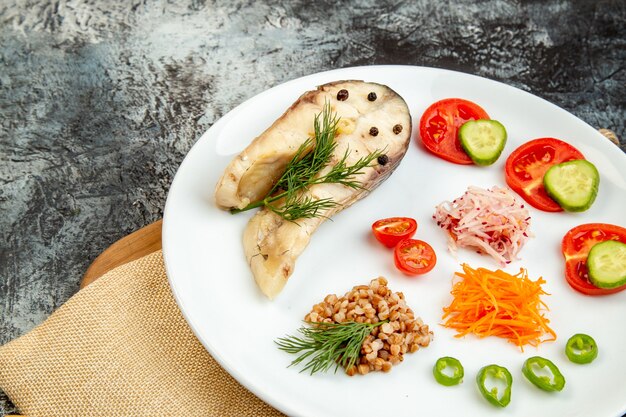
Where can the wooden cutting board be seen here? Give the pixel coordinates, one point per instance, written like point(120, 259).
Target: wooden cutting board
point(129, 248)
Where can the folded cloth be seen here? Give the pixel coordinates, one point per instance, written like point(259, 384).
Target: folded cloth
point(121, 347)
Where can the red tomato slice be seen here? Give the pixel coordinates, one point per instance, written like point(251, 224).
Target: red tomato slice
point(576, 245)
point(526, 166)
point(414, 257)
point(439, 127)
point(394, 229)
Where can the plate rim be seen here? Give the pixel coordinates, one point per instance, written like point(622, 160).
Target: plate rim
point(265, 395)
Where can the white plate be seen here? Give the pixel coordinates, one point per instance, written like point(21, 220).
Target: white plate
point(217, 294)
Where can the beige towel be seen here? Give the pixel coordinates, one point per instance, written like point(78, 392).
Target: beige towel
point(121, 347)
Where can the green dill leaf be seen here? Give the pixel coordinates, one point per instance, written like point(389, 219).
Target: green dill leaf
point(343, 174)
point(306, 163)
point(302, 207)
point(288, 197)
point(324, 345)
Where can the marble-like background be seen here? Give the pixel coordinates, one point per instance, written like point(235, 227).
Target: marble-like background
point(100, 100)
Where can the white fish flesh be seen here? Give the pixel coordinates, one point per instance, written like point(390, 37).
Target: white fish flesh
point(372, 118)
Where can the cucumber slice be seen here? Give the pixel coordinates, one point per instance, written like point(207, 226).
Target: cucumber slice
point(482, 140)
point(607, 264)
point(573, 185)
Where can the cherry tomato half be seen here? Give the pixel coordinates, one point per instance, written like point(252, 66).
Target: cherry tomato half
point(439, 127)
point(526, 166)
point(414, 257)
point(394, 229)
point(576, 245)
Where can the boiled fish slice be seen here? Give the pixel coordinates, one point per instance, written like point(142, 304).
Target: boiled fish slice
point(372, 118)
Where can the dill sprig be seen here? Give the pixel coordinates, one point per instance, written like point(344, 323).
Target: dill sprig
point(287, 198)
point(327, 344)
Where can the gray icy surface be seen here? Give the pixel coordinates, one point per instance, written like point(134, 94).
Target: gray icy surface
point(101, 100)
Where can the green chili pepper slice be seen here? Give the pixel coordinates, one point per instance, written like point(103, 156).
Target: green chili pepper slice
point(448, 363)
point(495, 373)
point(534, 365)
point(581, 348)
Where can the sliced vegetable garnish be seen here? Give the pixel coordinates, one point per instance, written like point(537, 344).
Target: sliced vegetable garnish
point(577, 244)
point(483, 140)
point(543, 373)
point(526, 166)
point(394, 229)
point(607, 264)
point(573, 185)
point(414, 257)
point(448, 371)
point(439, 127)
point(581, 348)
point(495, 303)
point(495, 383)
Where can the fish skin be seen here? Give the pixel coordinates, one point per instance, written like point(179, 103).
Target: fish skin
point(272, 244)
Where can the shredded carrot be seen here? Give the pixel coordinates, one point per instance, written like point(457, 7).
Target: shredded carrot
point(495, 303)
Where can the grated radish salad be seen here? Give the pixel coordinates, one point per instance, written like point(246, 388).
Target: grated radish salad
point(491, 221)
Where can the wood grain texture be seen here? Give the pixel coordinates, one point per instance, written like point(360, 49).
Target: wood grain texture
point(134, 246)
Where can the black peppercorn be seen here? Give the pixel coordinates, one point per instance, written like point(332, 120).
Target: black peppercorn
point(371, 96)
point(383, 159)
point(397, 129)
point(342, 95)
point(374, 131)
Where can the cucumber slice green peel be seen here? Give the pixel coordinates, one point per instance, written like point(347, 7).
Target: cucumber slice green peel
point(573, 184)
point(607, 264)
point(482, 140)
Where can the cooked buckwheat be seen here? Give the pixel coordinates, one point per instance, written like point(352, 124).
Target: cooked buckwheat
point(387, 343)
